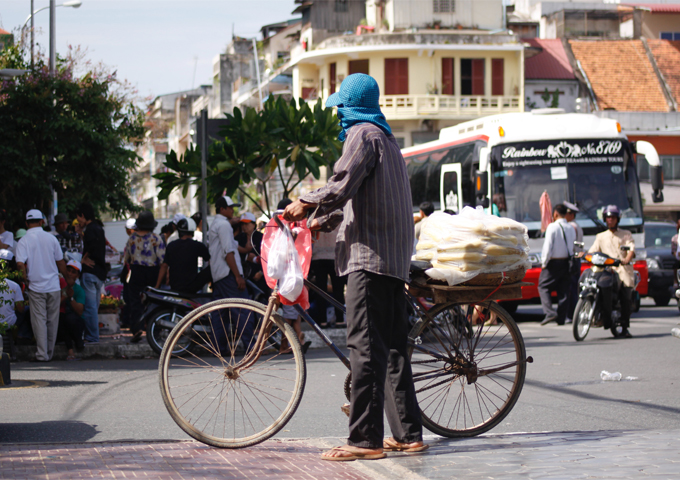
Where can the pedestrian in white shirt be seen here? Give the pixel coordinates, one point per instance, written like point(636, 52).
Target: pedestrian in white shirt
point(227, 274)
point(557, 249)
point(574, 279)
point(40, 259)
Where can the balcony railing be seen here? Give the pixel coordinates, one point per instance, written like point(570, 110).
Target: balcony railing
point(446, 106)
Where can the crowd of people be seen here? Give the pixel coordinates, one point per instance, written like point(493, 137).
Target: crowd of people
point(56, 278)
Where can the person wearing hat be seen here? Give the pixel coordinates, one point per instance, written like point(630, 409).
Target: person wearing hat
point(173, 225)
point(130, 226)
point(19, 234)
point(144, 252)
point(93, 262)
point(40, 259)
point(71, 321)
point(69, 242)
point(370, 194)
point(227, 273)
point(181, 259)
point(578, 252)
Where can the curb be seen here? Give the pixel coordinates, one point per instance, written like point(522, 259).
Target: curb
point(119, 348)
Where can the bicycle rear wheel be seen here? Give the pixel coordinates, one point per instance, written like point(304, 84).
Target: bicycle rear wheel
point(211, 396)
point(468, 373)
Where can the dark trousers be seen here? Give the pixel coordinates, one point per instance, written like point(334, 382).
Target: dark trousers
point(611, 285)
point(573, 293)
point(220, 320)
point(203, 277)
point(125, 311)
point(70, 331)
point(377, 332)
point(321, 270)
point(555, 277)
point(141, 278)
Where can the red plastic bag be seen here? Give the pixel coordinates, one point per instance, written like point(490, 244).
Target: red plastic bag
point(303, 245)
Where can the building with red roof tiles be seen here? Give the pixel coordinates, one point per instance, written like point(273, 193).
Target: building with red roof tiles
point(548, 76)
point(621, 75)
point(667, 57)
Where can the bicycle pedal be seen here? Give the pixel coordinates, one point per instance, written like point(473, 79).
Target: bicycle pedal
point(345, 409)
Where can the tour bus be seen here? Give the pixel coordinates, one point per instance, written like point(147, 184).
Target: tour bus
point(505, 162)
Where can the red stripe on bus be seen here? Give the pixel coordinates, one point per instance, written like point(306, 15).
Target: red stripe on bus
point(449, 144)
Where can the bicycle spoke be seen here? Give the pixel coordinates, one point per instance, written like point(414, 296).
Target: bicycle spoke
point(222, 399)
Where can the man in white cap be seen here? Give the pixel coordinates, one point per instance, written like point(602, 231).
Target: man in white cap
point(227, 272)
point(40, 259)
point(71, 320)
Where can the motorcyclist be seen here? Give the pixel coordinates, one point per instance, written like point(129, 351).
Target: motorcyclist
point(621, 280)
point(181, 258)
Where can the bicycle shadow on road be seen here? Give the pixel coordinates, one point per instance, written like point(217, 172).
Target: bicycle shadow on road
point(47, 432)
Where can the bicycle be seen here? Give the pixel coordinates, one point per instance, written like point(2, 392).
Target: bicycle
point(469, 371)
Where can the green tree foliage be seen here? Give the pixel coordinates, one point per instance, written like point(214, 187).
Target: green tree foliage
point(73, 131)
point(286, 141)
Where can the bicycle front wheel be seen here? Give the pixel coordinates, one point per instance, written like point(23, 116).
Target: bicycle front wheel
point(211, 395)
point(469, 365)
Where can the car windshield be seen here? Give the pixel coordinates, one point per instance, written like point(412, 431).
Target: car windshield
point(659, 236)
point(591, 184)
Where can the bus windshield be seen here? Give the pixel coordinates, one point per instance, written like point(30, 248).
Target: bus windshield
point(605, 177)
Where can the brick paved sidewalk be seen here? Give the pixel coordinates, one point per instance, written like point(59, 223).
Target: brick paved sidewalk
point(285, 460)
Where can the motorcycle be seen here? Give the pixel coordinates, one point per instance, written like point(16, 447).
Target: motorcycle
point(164, 309)
point(588, 308)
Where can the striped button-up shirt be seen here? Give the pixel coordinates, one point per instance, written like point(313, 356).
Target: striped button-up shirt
point(371, 186)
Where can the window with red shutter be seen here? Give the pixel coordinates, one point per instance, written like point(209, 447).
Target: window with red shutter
point(447, 76)
point(358, 66)
point(396, 76)
point(478, 76)
point(332, 79)
point(497, 81)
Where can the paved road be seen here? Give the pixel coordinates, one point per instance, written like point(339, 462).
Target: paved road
point(117, 400)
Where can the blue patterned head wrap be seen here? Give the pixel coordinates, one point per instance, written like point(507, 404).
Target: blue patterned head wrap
point(357, 102)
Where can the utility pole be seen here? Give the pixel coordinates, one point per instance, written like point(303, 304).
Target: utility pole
point(257, 71)
point(53, 36)
point(32, 33)
point(203, 143)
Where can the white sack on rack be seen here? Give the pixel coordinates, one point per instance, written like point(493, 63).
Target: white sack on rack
point(460, 247)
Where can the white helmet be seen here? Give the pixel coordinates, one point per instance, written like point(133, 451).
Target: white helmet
point(186, 225)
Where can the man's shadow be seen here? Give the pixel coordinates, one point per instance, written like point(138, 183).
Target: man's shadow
point(47, 432)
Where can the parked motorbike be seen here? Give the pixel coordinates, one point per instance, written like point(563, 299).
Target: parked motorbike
point(164, 309)
point(589, 306)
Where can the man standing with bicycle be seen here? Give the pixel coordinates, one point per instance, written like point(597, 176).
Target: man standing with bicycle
point(370, 194)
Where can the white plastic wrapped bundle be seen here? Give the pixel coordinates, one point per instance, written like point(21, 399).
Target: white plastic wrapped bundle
point(460, 247)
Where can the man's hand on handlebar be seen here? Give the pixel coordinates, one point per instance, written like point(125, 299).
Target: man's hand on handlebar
point(297, 210)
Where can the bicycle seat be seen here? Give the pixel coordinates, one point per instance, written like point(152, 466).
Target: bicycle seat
point(418, 267)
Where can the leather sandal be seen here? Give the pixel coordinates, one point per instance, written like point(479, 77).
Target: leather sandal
point(391, 445)
point(348, 454)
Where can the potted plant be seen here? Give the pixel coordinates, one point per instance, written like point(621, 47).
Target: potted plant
point(109, 304)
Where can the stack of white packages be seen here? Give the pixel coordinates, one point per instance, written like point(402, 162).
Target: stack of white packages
point(460, 247)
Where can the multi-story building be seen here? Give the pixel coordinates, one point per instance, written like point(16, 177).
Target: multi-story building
point(428, 80)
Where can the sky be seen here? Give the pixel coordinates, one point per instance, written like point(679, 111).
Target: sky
point(154, 44)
